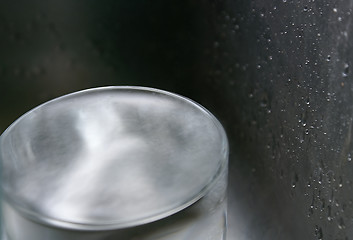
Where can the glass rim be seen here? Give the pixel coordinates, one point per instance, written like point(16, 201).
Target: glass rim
point(223, 163)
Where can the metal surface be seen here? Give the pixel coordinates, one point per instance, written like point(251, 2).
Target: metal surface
point(276, 73)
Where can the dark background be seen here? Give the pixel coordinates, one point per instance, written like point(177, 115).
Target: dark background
point(276, 73)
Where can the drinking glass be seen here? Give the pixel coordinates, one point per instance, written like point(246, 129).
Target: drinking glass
point(115, 163)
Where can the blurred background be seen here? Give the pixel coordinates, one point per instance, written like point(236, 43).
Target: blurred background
point(277, 74)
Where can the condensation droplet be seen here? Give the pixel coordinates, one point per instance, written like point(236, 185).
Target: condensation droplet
point(328, 58)
point(346, 70)
point(308, 101)
point(334, 10)
point(295, 180)
point(340, 183)
point(311, 210)
point(349, 157)
point(318, 232)
point(341, 224)
point(305, 9)
point(331, 197)
point(263, 103)
point(329, 217)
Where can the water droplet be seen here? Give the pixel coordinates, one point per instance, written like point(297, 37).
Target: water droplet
point(329, 217)
point(236, 27)
point(258, 66)
point(331, 197)
point(308, 101)
point(340, 184)
point(322, 204)
point(284, 1)
point(334, 10)
point(311, 210)
point(328, 58)
point(295, 180)
point(305, 9)
point(318, 232)
point(349, 157)
point(270, 57)
point(339, 19)
point(346, 70)
point(263, 103)
point(341, 224)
